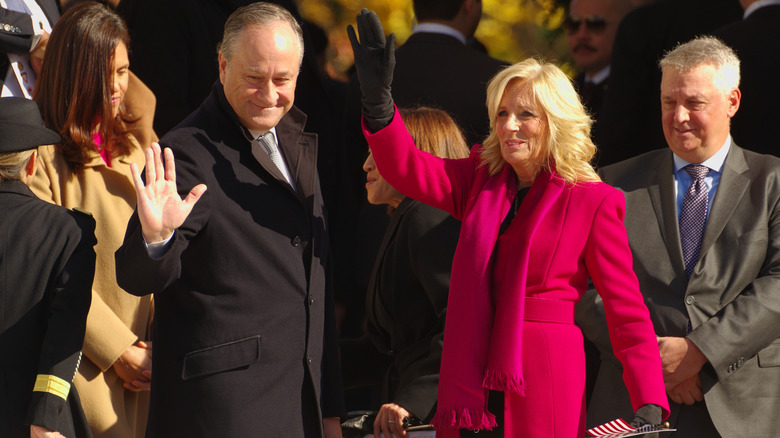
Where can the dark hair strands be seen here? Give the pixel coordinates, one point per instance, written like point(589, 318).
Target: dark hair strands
point(75, 87)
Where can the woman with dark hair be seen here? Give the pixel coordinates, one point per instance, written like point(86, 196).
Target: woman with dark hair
point(406, 302)
point(80, 92)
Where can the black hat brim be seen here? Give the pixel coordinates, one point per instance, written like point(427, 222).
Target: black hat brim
point(18, 137)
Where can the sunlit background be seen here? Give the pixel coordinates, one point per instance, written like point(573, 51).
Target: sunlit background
point(511, 30)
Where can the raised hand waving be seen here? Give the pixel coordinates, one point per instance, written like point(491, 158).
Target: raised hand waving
point(160, 208)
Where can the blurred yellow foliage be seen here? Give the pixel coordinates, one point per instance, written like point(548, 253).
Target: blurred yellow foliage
point(512, 30)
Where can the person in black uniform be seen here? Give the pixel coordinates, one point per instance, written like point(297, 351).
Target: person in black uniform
point(46, 268)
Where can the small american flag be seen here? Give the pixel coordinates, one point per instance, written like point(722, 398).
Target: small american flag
point(620, 428)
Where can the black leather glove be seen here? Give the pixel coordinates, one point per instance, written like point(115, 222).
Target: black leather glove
point(647, 414)
point(374, 63)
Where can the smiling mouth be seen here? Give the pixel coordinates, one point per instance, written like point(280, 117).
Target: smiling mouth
point(683, 131)
point(514, 143)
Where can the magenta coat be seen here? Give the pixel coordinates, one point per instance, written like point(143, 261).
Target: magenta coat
point(510, 318)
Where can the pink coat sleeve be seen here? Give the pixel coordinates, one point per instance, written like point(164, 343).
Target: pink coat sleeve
point(609, 261)
point(439, 182)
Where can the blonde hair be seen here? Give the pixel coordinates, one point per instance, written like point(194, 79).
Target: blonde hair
point(705, 50)
point(12, 163)
point(435, 132)
point(566, 143)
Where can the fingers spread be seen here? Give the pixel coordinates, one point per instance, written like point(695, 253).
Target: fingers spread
point(158, 162)
point(149, 168)
point(170, 166)
point(194, 195)
point(353, 38)
point(139, 184)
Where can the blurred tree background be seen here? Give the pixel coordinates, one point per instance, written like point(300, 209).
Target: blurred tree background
point(512, 30)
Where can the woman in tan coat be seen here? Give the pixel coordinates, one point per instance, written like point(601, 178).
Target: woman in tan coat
point(81, 95)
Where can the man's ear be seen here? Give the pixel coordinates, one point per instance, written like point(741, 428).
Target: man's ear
point(733, 99)
point(222, 67)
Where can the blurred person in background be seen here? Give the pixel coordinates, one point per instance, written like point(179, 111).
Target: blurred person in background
point(407, 296)
point(591, 27)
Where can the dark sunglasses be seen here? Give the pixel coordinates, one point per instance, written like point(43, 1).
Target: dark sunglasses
point(593, 23)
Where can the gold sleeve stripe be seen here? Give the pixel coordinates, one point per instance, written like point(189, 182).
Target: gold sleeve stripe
point(52, 385)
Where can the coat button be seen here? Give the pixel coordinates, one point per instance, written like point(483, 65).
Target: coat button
point(308, 358)
point(690, 300)
point(296, 241)
point(311, 301)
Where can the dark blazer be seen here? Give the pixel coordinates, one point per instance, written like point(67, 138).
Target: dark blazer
point(437, 70)
point(18, 37)
point(592, 99)
point(756, 40)
point(406, 307)
point(46, 269)
point(630, 121)
point(244, 336)
point(731, 299)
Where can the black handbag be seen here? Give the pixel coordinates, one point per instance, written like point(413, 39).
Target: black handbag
point(358, 424)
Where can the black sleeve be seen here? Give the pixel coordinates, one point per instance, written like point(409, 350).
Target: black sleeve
point(67, 319)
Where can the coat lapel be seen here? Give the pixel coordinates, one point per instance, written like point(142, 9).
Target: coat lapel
point(733, 183)
point(299, 151)
point(664, 201)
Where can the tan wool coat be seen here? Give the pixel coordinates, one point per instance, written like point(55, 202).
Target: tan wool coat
point(116, 319)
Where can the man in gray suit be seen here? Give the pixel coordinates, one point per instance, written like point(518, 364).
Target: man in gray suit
point(706, 245)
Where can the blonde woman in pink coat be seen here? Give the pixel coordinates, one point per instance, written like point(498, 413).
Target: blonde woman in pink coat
point(537, 224)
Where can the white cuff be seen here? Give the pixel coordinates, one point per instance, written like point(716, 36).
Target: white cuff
point(158, 249)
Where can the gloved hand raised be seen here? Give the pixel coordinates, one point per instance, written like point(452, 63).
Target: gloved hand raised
point(374, 63)
point(647, 414)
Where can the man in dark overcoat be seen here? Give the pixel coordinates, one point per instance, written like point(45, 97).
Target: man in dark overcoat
point(46, 268)
point(244, 333)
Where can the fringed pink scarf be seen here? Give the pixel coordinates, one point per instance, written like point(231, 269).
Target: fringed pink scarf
point(484, 328)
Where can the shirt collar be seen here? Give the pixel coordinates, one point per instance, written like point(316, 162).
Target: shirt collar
point(760, 3)
point(440, 28)
point(714, 162)
point(601, 76)
point(251, 134)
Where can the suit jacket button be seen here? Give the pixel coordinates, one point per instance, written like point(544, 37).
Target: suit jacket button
point(690, 300)
point(296, 241)
point(308, 358)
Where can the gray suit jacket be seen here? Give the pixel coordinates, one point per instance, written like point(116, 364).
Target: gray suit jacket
point(732, 298)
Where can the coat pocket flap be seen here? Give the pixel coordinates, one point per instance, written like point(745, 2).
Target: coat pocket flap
point(770, 356)
point(219, 358)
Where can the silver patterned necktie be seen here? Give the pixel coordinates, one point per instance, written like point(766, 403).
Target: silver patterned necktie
point(693, 215)
point(268, 142)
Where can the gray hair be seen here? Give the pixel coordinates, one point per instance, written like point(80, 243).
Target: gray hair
point(705, 50)
point(12, 163)
point(255, 14)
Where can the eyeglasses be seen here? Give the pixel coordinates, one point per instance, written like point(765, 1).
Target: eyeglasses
point(593, 23)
